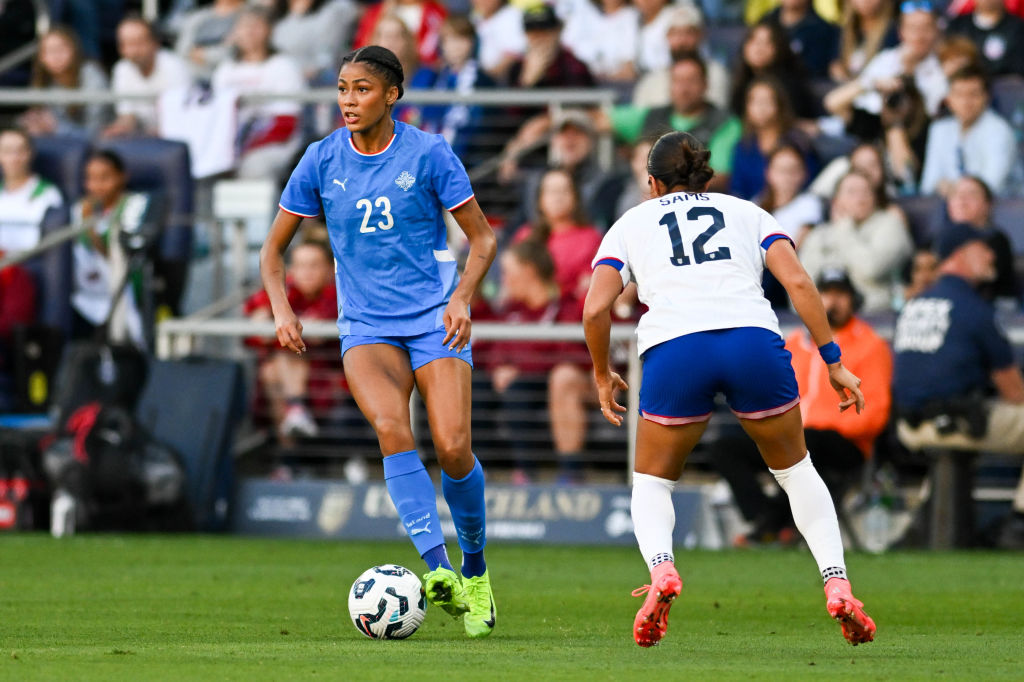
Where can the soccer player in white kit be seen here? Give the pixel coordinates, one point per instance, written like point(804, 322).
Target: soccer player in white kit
point(697, 259)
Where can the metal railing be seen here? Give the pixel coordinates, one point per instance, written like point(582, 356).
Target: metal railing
point(178, 338)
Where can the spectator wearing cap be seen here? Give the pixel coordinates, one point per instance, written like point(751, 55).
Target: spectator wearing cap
point(956, 384)
point(546, 63)
point(573, 148)
point(814, 40)
point(974, 140)
point(689, 111)
point(914, 59)
point(842, 441)
point(970, 202)
point(682, 34)
point(998, 35)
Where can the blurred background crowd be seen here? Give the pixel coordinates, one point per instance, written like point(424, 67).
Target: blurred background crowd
point(866, 127)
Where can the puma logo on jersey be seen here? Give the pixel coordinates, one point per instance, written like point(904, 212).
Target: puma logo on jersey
point(341, 183)
point(417, 531)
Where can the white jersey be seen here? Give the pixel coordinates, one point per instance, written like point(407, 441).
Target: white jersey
point(697, 259)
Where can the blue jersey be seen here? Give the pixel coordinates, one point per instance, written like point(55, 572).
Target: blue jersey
point(385, 220)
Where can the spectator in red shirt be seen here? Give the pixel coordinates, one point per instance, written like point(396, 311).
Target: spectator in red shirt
point(562, 227)
point(422, 17)
point(284, 376)
point(17, 307)
point(523, 373)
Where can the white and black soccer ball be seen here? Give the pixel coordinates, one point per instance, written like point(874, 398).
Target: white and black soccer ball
point(387, 602)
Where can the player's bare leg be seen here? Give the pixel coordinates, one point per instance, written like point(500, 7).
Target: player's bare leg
point(446, 387)
point(381, 380)
point(661, 454)
point(780, 440)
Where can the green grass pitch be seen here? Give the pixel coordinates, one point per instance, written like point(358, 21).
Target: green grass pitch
point(228, 608)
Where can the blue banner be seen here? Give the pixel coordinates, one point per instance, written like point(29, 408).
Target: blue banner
point(577, 514)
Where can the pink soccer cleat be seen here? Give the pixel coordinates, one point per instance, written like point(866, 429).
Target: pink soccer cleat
point(652, 618)
point(849, 611)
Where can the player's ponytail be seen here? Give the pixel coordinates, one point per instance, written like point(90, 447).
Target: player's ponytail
point(382, 62)
point(680, 161)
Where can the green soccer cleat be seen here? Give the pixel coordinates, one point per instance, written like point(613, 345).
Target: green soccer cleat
point(479, 621)
point(445, 590)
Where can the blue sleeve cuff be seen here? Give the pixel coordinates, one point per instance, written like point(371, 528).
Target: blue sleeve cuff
point(772, 238)
point(614, 262)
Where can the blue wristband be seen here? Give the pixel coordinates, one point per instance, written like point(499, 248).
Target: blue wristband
point(830, 352)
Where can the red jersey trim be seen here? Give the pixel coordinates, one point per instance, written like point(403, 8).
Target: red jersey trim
point(296, 213)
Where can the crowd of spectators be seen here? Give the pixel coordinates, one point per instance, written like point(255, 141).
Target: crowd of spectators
point(832, 116)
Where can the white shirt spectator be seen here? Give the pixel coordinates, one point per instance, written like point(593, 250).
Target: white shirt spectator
point(988, 150)
point(169, 71)
point(928, 76)
point(652, 49)
point(22, 211)
point(501, 35)
point(604, 42)
point(279, 73)
point(873, 253)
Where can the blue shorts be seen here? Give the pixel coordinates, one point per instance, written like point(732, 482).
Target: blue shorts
point(422, 349)
point(750, 365)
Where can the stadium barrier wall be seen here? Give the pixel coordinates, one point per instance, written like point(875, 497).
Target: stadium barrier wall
point(577, 515)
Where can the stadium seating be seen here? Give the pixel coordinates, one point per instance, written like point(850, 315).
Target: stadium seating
point(61, 160)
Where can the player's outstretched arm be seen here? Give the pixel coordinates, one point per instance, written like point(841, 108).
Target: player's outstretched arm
point(272, 271)
point(605, 287)
point(783, 263)
point(482, 247)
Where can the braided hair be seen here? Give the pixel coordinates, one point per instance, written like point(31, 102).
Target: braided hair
point(679, 160)
point(382, 62)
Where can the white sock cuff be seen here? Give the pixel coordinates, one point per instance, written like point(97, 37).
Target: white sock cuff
point(647, 478)
point(781, 475)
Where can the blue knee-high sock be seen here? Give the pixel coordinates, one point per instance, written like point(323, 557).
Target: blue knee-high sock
point(465, 498)
point(413, 493)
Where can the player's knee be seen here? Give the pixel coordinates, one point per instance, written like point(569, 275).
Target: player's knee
point(450, 446)
point(564, 379)
point(390, 428)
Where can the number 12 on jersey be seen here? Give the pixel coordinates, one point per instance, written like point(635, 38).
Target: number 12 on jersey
point(679, 256)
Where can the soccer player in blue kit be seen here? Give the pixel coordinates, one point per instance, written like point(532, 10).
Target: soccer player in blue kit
point(403, 312)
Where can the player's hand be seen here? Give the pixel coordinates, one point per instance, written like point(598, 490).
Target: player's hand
point(847, 387)
point(289, 332)
point(457, 325)
point(607, 385)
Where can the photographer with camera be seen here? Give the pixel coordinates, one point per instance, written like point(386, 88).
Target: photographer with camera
point(860, 101)
point(952, 327)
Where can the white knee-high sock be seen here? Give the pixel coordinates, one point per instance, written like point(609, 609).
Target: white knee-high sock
point(654, 517)
point(815, 515)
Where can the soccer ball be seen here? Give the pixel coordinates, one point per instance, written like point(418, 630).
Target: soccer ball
point(387, 602)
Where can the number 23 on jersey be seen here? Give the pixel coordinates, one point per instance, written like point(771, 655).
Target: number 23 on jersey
point(384, 204)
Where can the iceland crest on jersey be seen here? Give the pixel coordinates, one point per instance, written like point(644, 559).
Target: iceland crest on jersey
point(405, 180)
